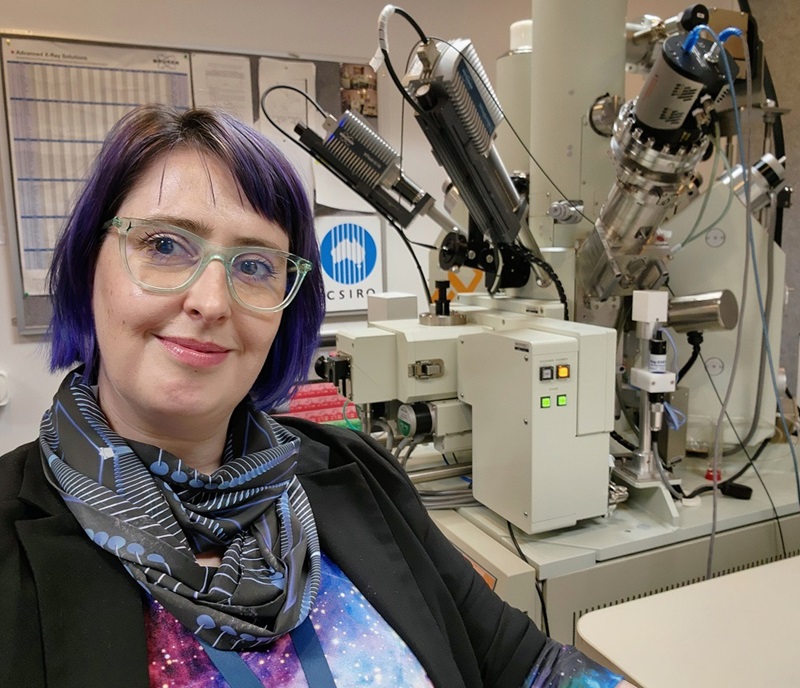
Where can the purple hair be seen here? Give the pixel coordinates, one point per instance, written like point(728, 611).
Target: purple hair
point(266, 178)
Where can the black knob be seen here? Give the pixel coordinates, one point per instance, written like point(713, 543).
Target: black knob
point(453, 251)
point(695, 15)
point(442, 303)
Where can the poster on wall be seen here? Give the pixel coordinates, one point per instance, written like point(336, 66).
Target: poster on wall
point(350, 258)
point(61, 100)
point(287, 108)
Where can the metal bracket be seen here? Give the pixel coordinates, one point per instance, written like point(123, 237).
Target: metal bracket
point(426, 369)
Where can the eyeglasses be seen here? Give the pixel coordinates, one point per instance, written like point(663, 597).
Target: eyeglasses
point(165, 259)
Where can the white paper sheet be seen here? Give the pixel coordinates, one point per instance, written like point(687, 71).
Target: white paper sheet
point(225, 82)
point(286, 108)
point(61, 99)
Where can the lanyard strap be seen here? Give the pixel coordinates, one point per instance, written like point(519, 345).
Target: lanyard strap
point(307, 646)
point(233, 668)
point(312, 658)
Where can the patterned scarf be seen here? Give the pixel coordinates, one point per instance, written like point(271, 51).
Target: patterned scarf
point(152, 511)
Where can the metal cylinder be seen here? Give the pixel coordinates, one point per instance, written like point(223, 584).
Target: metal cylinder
point(513, 86)
point(674, 86)
point(566, 80)
point(716, 310)
point(766, 175)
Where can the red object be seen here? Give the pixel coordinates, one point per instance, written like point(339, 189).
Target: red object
point(323, 415)
point(316, 389)
point(710, 475)
point(321, 402)
point(313, 403)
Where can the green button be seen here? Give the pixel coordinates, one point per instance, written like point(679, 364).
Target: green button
point(545, 402)
point(561, 400)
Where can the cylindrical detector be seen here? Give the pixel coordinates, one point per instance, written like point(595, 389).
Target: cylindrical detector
point(716, 310)
point(764, 176)
point(675, 83)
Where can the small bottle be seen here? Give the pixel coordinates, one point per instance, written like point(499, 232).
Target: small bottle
point(658, 355)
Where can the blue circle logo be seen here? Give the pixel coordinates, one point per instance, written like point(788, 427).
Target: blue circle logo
point(348, 253)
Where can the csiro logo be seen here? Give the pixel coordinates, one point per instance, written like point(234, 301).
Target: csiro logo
point(348, 253)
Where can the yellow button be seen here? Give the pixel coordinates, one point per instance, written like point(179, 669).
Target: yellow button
point(562, 372)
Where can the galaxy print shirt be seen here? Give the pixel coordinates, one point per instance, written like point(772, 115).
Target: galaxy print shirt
point(361, 648)
point(359, 645)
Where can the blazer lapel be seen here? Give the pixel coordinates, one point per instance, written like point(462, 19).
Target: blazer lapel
point(354, 532)
point(90, 608)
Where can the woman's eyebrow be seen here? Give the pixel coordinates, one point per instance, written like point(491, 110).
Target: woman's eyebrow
point(201, 229)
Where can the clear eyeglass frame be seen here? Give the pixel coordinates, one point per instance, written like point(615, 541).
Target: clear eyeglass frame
point(226, 255)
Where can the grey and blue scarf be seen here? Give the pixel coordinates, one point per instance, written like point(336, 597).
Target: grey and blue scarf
point(152, 511)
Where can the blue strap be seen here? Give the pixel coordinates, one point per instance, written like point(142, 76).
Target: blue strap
point(233, 668)
point(312, 658)
point(235, 671)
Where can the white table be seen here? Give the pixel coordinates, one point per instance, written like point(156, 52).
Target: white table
point(740, 630)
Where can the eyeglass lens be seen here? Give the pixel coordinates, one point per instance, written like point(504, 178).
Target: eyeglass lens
point(163, 259)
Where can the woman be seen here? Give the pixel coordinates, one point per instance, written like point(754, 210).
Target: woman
point(265, 554)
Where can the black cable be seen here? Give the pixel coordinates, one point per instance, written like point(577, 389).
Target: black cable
point(407, 242)
point(422, 245)
point(562, 294)
point(388, 62)
point(430, 247)
point(750, 461)
point(286, 87)
point(293, 139)
point(621, 440)
point(695, 339)
point(539, 590)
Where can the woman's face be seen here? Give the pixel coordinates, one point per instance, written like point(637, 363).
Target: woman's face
point(180, 363)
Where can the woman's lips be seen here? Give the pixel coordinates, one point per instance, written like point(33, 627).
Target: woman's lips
point(195, 353)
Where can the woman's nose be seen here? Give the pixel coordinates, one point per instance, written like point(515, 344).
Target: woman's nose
point(209, 296)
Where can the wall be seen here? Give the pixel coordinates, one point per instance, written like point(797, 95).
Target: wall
point(326, 30)
point(778, 22)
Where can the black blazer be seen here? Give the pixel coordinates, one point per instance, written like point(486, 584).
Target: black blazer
point(72, 616)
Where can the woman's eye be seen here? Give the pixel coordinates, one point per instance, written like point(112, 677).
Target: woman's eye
point(256, 267)
point(164, 245)
point(169, 246)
